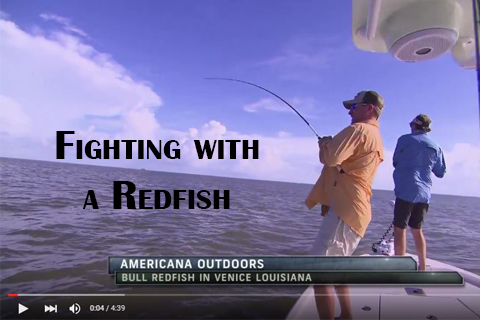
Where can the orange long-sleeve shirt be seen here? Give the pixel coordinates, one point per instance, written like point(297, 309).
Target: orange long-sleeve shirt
point(350, 161)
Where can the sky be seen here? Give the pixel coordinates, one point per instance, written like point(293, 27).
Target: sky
point(135, 70)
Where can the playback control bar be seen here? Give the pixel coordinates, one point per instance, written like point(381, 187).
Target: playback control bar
point(146, 306)
point(86, 307)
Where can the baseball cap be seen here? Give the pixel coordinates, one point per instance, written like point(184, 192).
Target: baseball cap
point(423, 121)
point(367, 97)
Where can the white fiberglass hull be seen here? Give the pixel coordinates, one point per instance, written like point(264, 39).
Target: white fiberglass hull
point(405, 302)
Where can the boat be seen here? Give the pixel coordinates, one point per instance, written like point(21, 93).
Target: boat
point(403, 302)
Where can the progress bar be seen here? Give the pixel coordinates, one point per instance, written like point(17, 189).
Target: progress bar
point(66, 295)
point(223, 295)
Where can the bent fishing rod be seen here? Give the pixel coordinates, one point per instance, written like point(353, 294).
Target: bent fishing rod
point(277, 96)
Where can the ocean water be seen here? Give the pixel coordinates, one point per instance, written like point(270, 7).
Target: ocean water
point(50, 244)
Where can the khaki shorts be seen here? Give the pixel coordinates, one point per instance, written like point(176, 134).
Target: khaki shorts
point(335, 237)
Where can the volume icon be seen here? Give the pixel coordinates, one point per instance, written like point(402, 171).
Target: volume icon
point(75, 308)
point(50, 308)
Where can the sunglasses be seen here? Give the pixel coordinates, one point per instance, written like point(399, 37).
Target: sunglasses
point(355, 105)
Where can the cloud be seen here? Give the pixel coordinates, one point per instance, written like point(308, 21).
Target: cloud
point(303, 57)
point(266, 104)
point(282, 158)
point(306, 106)
point(13, 118)
point(66, 24)
point(284, 134)
point(4, 15)
point(384, 175)
point(463, 171)
point(58, 82)
point(294, 59)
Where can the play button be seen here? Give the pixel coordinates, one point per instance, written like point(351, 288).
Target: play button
point(21, 308)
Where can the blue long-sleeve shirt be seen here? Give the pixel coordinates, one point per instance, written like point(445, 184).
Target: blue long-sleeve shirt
point(416, 157)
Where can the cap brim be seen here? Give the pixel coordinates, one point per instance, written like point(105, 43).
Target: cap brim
point(348, 103)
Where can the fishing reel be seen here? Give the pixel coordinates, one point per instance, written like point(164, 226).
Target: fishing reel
point(384, 247)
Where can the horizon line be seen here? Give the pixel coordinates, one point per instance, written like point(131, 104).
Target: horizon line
point(209, 175)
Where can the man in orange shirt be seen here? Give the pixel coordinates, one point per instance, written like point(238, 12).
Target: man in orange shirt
point(350, 161)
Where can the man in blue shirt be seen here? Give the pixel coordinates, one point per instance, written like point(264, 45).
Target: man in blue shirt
point(416, 157)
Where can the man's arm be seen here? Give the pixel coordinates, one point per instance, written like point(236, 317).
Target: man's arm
point(440, 167)
point(398, 151)
point(321, 142)
point(333, 152)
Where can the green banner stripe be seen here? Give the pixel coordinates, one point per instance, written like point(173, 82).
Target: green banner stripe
point(289, 278)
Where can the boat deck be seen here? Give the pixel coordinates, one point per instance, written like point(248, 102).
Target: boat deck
point(399, 302)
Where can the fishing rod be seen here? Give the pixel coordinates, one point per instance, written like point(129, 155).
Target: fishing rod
point(255, 85)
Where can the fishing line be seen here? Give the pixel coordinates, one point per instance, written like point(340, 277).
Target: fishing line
point(255, 85)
